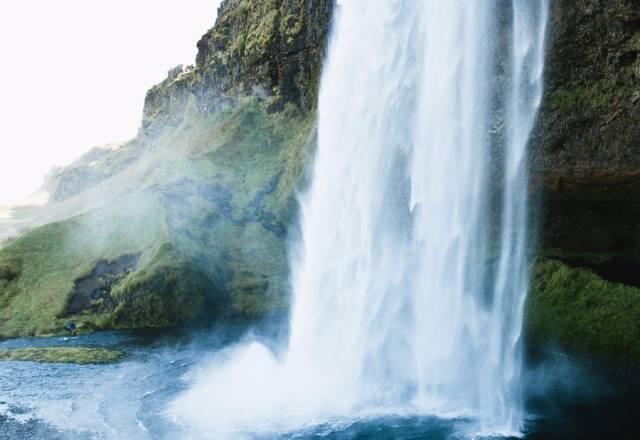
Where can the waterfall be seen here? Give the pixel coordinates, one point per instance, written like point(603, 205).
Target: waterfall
point(410, 276)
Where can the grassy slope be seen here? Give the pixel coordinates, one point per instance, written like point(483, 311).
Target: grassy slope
point(254, 161)
point(51, 257)
point(584, 313)
point(208, 210)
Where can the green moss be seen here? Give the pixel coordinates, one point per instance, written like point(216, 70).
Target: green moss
point(239, 44)
point(595, 95)
point(253, 160)
point(243, 7)
point(259, 159)
point(291, 26)
point(62, 355)
point(583, 312)
point(46, 278)
point(55, 255)
point(263, 17)
point(167, 292)
point(254, 147)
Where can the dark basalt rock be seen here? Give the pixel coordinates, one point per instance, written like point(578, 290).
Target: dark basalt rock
point(585, 160)
point(270, 49)
point(93, 292)
point(585, 153)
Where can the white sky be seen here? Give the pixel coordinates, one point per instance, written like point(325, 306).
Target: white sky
point(74, 73)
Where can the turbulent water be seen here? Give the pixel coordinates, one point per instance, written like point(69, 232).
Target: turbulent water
point(128, 400)
point(411, 274)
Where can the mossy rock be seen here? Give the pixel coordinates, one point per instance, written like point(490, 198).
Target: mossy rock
point(63, 355)
point(583, 313)
point(595, 95)
point(10, 270)
point(584, 148)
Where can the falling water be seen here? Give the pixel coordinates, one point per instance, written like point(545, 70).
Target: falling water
point(410, 278)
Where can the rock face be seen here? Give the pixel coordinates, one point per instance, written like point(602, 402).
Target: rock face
point(585, 156)
point(272, 49)
point(587, 153)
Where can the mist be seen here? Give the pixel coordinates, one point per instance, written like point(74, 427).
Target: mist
point(75, 74)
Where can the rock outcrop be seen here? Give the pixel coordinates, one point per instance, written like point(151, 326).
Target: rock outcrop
point(585, 158)
point(587, 146)
point(271, 49)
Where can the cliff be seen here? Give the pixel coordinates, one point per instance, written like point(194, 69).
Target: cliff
point(588, 141)
point(189, 220)
point(585, 160)
point(271, 49)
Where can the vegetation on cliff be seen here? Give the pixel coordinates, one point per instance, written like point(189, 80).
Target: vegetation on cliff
point(583, 313)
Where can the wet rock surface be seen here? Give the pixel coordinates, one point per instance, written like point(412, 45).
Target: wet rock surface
point(585, 166)
point(93, 292)
point(585, 154)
